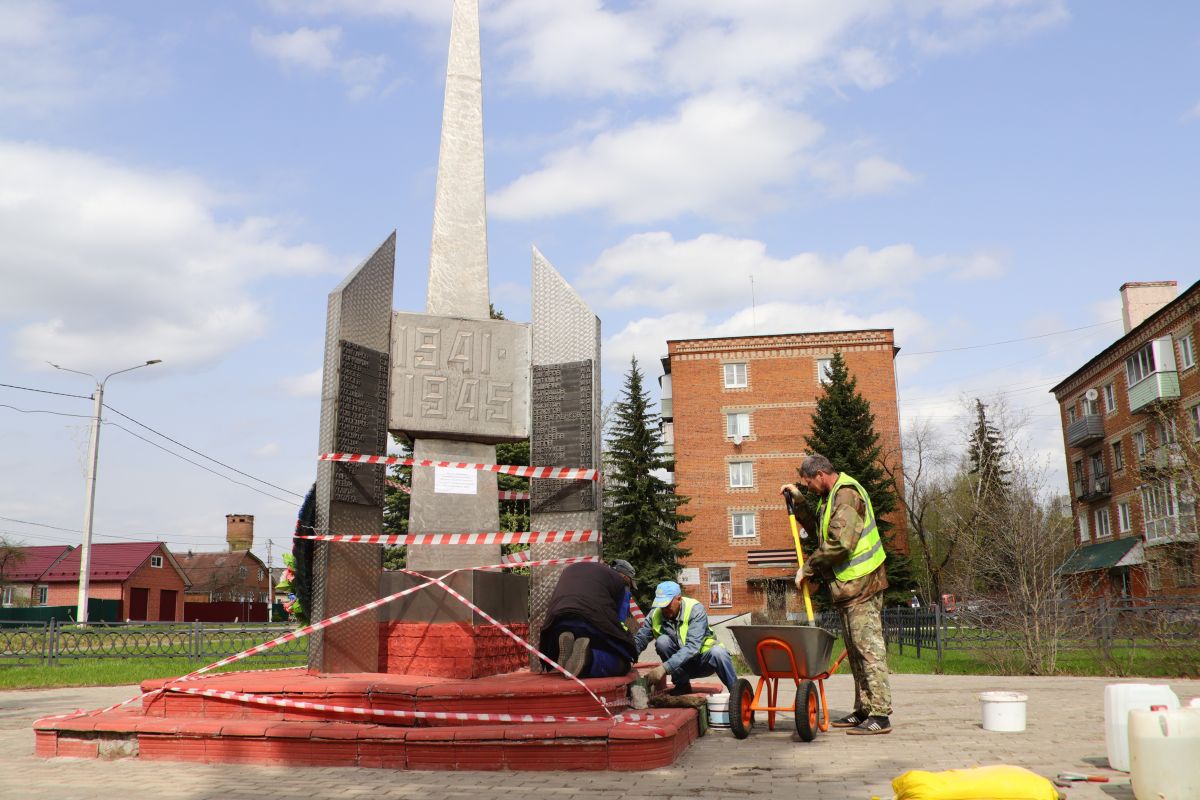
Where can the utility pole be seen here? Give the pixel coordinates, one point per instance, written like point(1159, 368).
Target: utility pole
point(89, 503)
point(270, 587)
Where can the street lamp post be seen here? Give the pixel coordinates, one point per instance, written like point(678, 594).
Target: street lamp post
point(85, 550)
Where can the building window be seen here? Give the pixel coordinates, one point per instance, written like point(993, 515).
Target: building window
point(156, 562)
point(1102, 528)
point(1140, 365)
point(1153, 579)
point(741, 474)
point(737, 424)
point(720, 586)
point(242, 573)
point(1187, 354)
point(735, 376)
point(1194, 417)
point(261, 574)
point(1139, 444)
point(1070, 414)
point(1084, 534)
point(41, 595)
point(1118, 456)
point(1123, 519)
point(1110, 398)
point(1158, 511)
point(8, 596)
point(824, 366)
point(744, 526)
point(1091, 408)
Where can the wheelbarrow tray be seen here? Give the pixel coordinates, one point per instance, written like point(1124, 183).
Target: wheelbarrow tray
point(811, 648)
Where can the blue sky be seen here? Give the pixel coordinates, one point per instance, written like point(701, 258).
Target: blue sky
point(187, 181)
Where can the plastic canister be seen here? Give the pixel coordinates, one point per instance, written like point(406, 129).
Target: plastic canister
point(1164, 753)
point(1003, 711)
point(1119, 700)
point(718, 710)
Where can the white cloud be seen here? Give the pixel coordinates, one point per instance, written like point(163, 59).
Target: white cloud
point(306, 385)
point(267, 450)
point(654, 270)
point(950, 26)
point(720, 155)
point(871, 175)
point(427, 10)
point(982, 266)
point(105, 264)
point(316, 50)
point(52, 61)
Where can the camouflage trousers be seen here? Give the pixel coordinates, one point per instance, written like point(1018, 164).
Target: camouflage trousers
point(867, 653)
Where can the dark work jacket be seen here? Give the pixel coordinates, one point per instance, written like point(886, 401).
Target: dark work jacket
point(592, 592)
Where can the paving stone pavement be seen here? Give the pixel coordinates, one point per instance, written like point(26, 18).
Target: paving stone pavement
point(937, 721)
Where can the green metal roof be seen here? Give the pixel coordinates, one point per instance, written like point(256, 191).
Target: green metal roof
point(1101, 555)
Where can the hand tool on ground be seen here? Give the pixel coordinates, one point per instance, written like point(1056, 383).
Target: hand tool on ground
point(1067, 778)
point(787, 497)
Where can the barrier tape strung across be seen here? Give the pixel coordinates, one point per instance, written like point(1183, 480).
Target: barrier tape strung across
point(514, 495)
point(503, 495)
point(502, 537)
point(398, 485)
point(455, 716)
point(561, 473)
point(636, 611)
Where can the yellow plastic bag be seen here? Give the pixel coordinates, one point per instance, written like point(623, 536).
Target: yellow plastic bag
point(979, 783)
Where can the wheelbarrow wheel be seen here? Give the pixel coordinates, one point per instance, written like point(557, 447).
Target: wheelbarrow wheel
point(807, 710)
point(741, 715)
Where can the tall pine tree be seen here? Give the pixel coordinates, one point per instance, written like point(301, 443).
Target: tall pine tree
point(641, 510)
point(843, 430)
point(987, 453)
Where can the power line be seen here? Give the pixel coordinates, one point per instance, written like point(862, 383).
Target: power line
point(201, 466)
point(197, 452)
point(1009, 341)
point(45, 391)
point(43, 411)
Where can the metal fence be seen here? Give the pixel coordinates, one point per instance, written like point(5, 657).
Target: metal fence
point(55, 642)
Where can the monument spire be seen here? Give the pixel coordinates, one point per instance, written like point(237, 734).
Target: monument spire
point(458, 265)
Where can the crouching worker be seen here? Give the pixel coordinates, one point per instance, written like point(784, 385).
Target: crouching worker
point(584, 630)
point(687, 646)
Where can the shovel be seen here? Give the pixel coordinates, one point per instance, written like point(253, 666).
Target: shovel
point(799, 557)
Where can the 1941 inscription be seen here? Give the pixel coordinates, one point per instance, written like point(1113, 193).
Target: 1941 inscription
point(563, 419)
point(362, 404)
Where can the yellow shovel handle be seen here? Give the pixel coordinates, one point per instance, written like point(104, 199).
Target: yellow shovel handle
point(799, 557)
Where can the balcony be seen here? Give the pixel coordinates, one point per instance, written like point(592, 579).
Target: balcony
point(668, 412)
point(1165, 530)
point(1154, 388)
point(1089, 490)
point(1163, 461)
point(1086, 430)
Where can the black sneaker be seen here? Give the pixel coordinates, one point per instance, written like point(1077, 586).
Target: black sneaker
point(676, 691)
point(871, 725)
point(850, 720)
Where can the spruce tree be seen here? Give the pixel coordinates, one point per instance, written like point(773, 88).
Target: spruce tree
point(843, 430)
point(987, 453)
point(641, 510)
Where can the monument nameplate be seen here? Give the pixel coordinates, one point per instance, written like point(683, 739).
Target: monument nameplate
point(457, 378)
point(562, 435)
point(362, 404)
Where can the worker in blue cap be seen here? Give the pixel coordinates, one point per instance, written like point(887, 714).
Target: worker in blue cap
point(687, 646)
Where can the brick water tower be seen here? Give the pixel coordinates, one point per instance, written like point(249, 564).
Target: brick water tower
point(239, 531)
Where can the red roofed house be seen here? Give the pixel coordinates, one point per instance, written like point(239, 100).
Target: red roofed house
point(144, 576)
point(21, 574)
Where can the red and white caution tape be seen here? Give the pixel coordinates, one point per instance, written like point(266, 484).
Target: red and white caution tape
point(456, 716)
point(519, 557)
point(503, 495)
point(502, 537)
point(560, 473)
point(398, 485)
point(635, 611)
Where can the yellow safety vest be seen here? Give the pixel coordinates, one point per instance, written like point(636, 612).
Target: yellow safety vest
point(686, 614)
point(868, 553)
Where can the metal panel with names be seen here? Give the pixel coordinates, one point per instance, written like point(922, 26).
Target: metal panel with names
point(362, 408)
point(562, 435)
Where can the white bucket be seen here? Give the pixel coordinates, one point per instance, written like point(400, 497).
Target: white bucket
point(718, 710)
point(1003, 711)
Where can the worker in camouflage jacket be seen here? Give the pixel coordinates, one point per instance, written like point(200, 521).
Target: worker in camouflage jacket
point(850, 558)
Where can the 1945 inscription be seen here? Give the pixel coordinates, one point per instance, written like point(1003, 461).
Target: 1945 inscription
point(562, 435)
point(362, 403)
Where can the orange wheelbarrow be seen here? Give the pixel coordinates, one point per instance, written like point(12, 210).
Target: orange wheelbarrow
point(799, 652)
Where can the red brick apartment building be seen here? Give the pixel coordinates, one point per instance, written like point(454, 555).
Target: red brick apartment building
point(735, 412)
point(1131, 427)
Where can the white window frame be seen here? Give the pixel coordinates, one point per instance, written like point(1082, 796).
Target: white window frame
point(7, 595)
point(1103, 523)
point(1085, 532)
point(1187, 352)
point(738, 527)
point(720, 592)
point(41, 595)
point(1091, 408)
point(1110, 398)
point(737, 423)
point(731, 375)
point(1071, 413)
point(1118, 455)
point(1124, 520)
point(156, 562)
point(1140, 365)
point(1185, 564)
point(261, 574)
point(1158, 511)
point(824, 365)
point(1139, 445)
point(740, 471)
point(1194, 415)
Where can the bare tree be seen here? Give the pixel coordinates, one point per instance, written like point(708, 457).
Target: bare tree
point(11, 554)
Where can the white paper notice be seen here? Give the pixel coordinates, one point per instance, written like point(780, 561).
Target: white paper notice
point(453, 480)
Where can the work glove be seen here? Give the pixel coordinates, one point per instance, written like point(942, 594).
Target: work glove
point(657, 674)
point(792, 489)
